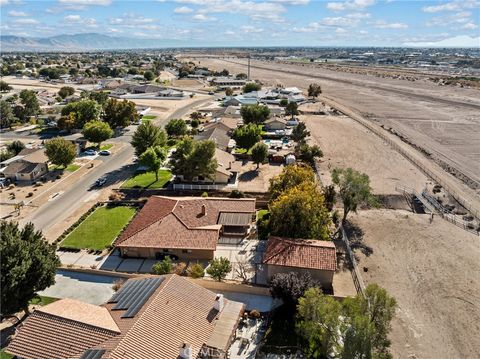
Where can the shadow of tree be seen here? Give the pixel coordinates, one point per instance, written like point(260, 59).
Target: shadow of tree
point(248, 176)
point(355, 235)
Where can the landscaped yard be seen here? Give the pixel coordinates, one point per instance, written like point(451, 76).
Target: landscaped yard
point(41, 300)
point(261, 213)
point(70, 168)
point(147, 180)
point(4, 355)
point(148, 118)
point(100, 228)
point(106, 146)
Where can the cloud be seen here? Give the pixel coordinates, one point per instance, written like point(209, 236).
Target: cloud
point(4, 2)
point(457, 18)
point(381, 24)
point(350, 5)
point(72, 18)
point(452, 6)
point(292, 2)
point(340, 31)
point(457, 41)
point(77, 19)
point(470, 26)
point(131, 20)
point(183, 10)
point(85, 2)
point(248, 29)
point(203, 18)
point(26, 21)
point(15, 13)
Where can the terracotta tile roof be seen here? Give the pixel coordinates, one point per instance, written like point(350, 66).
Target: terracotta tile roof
point(301, 253)
point(180, 222)
point(180, 311)
point(47, 336)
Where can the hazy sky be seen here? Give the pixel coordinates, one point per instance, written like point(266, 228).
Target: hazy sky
point(253, 23)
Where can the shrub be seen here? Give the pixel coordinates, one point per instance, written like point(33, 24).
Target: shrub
point(196, 270)
point(163, 267)
point(205, 194)
point(29, 194)
point(219, 268)
point(236, 194)
point(115, 196)
point(255, 314)
point(180, 268)
point(117, 284)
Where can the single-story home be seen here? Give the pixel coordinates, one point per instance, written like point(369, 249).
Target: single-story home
point(275, 123)
point(29, 165)
point(170, 93)
point(227, 82)
point(150, 317)
point(227, 167)
point(189, 227)
point(147, 89)
point(218, 134)
point(319, 258)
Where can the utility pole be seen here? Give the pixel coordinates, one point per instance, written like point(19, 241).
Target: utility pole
point(248, 71)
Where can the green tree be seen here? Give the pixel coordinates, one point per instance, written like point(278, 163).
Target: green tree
point(30, 103)
point(67, 123)
point(300, 212)
point(291, 176)
point(148, 75)
point(254, 113)
point(120, 113)
point(283, 102)
point(28, 265)
point(7, 117)
point(4, 87)
point(153, 159)
point(66, 91)
point(291, 109)
point(195, 270)
point(60, 151)
point(289, 287)
point(308, 154)
point(176, 128)
point(219, 268)
point(15, 147)
point(147, 135)
point(329, 194)
point(354, 188)
point(101, 97)
point(241, 76)
point(194, 159)
point(251, 86)
point(247, 135)
point(259, 153)
point(300, 133)
point(196, 115)
point(5, 155)
point(97, 132)
point(84, 111)
point(319, 324)
point(314, 90)
point(195, 123)
point(163, 267)
point(228, 91)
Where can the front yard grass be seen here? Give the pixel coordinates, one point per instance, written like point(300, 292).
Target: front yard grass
point(42, 300)
point(100, 228)
point(106, 146)
point(147, 180)
point(4, 355)
point(70, 168)
point(147, 118)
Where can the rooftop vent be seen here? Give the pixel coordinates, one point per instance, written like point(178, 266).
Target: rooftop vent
point(219, 302)
point(186, 351)
point(204, 210)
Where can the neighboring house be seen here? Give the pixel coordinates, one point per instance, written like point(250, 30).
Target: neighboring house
point(319, 258)
point(147, 89)
point(227, 82)
point(171, 93)
point(229, 124)
point(149, 317)
point(232, 111)
point(240, 100)
point(227, 169)
point(275, 123)
point(78, 140)
point(189, 227)
point(29, 165)
point(217, 134)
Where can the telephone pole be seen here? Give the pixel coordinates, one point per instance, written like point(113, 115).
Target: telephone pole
point(248, 71)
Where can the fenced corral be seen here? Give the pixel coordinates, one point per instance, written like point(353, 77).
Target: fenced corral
point(434, 207)
point(356, 275)
point(435, 172)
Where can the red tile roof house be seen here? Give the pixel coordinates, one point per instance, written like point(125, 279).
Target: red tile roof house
point(189, 227)
point(319, 258)
point(154, 317)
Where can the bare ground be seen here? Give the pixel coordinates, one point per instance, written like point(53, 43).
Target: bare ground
point(346, 143)
point(432, 269)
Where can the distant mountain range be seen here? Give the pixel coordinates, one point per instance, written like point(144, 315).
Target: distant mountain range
point(81, 42)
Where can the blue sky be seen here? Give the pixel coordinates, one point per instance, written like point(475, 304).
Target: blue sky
point(253, 22)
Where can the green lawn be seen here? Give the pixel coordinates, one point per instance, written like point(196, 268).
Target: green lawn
point(148, 118)
point(147, 180)
point(41, 300)
point(70, 168)
point(100, 228)
point(106, 146)
point(241, 151)
point(4, 355)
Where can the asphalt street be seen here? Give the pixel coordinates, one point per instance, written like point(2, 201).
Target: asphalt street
point(115, 168)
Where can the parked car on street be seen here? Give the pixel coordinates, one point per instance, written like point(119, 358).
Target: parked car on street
point(104, 153)
point(100, 182)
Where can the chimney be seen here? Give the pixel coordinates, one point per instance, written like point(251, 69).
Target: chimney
point(204, 210)
point(186, 351)
point(219, 302)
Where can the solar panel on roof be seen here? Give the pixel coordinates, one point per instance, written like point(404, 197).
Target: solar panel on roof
point(93, 354)
point(134, 294)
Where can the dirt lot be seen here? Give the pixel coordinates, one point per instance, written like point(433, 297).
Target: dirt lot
point(433, 272)
point(346, 143)
point(443, 120)
point(251, 180)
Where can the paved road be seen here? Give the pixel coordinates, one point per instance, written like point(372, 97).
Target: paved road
point(116, 168)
